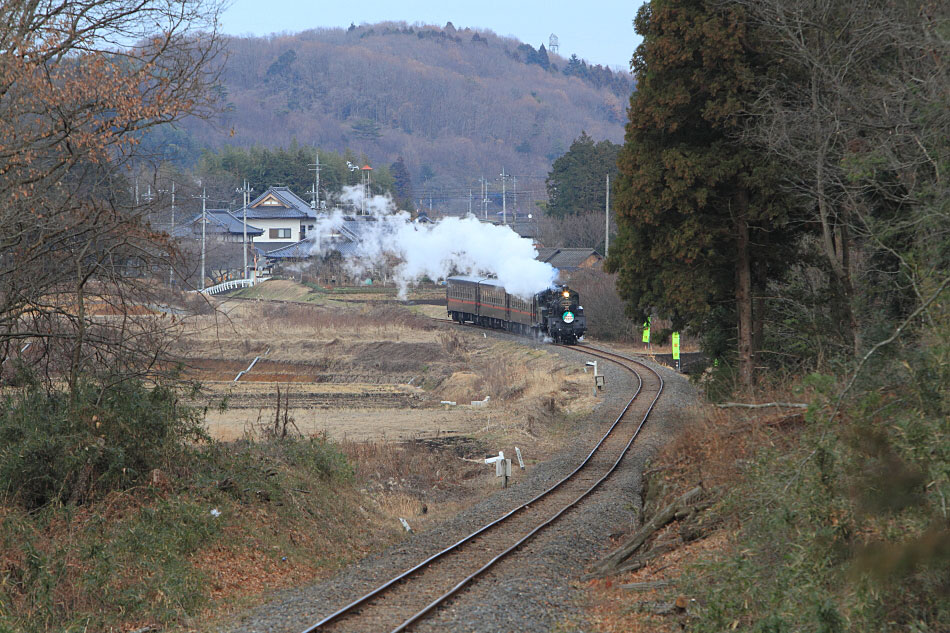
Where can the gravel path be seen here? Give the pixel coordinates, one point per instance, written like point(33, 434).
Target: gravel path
point(535, 590)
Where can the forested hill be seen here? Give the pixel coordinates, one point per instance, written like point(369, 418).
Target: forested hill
point(455, 103)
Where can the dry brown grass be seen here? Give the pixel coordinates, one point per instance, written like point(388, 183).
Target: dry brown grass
point(712, 450)
point(717, 443)
point(422, 482)
point(295, 332)
point(369, 347)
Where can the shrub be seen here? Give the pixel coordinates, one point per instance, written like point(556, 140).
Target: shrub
point(603, 307)
point(845, 528)
point(58, 447)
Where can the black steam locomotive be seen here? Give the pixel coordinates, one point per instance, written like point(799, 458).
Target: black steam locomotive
point(555, 312)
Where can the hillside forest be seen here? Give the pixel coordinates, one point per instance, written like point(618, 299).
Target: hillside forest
point(456, 104)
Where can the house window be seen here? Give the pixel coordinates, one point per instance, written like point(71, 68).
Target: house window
point(277, 234)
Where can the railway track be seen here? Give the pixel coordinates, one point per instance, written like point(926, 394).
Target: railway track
point(405, 600)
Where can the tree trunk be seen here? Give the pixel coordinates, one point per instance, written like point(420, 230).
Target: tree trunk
point(758, 329)
point(835, 239)
point(847, 282)
point(661, 518)
point(744, 292)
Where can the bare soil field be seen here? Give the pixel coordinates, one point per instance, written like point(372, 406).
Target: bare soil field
point(370, 370)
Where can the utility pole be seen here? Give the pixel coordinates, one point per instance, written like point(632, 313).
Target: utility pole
point(482, 201)
point(246, 190)
point(504, 197)
point(514, 194)
point(470, 201)
point(149, 196)
point(315, 197)
point(607, 221)
point(204, 221)
point(171, 231)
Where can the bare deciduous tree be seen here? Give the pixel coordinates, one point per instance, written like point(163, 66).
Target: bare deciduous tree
point(80, 82)
point(581, 230)
point(858, 115)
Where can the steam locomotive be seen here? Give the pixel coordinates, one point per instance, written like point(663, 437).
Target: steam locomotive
point(555, 312)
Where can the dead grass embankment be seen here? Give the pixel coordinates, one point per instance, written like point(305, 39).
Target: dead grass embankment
point(712, 453)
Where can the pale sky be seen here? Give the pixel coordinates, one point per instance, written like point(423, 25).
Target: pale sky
point(600, 32)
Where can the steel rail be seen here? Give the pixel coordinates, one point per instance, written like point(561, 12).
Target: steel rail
point(409, 572)
point(425, 563)
point(601, 354)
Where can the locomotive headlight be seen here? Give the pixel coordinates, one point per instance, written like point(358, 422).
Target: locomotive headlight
point(566, 293)
point(568, 317)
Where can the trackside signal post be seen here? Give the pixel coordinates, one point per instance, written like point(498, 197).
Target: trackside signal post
point(676, 349)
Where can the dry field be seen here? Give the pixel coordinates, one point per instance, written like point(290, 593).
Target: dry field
point(375, 370)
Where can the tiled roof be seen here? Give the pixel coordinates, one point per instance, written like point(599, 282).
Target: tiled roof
point(301, 249)
point(297, 250)
point(353, 227)
point(345, 248)
point(291, 206)
point(566, 258)
point(544, 253)
point(527, 228)
point(219, 221)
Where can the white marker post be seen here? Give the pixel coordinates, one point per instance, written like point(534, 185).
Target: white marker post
point(502, 466)
point(593, 363)
point(520, 460)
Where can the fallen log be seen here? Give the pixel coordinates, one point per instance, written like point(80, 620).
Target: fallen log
point(764, 405)
point(691, 511)
point(647, 586)
point(697, 527)
point(639, 562)
point(660, 519)
point(654, 607)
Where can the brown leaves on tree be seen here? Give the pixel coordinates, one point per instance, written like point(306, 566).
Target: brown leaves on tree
point(80, 81)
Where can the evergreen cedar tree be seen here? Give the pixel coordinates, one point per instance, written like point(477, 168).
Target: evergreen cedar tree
point(290, 166)
point(698, 221)
point(577, 181)
point(402, 183)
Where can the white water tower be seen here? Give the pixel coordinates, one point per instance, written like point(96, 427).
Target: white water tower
point(552, 43)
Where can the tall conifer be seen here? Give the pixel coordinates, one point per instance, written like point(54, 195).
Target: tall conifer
point(698, 222)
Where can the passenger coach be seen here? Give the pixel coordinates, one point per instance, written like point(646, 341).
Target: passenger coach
point(555, 312)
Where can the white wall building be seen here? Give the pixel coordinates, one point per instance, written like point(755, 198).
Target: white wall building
point(284, 217)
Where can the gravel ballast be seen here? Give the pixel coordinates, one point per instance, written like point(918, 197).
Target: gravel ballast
point(535, 589)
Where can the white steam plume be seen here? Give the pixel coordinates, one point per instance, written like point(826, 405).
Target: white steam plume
point(437, 250)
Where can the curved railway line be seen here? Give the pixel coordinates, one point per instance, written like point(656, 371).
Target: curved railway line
point(405, 600)
point(411, 596)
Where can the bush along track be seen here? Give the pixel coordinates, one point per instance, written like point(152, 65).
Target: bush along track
point(117, 512)
point(794, 521)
